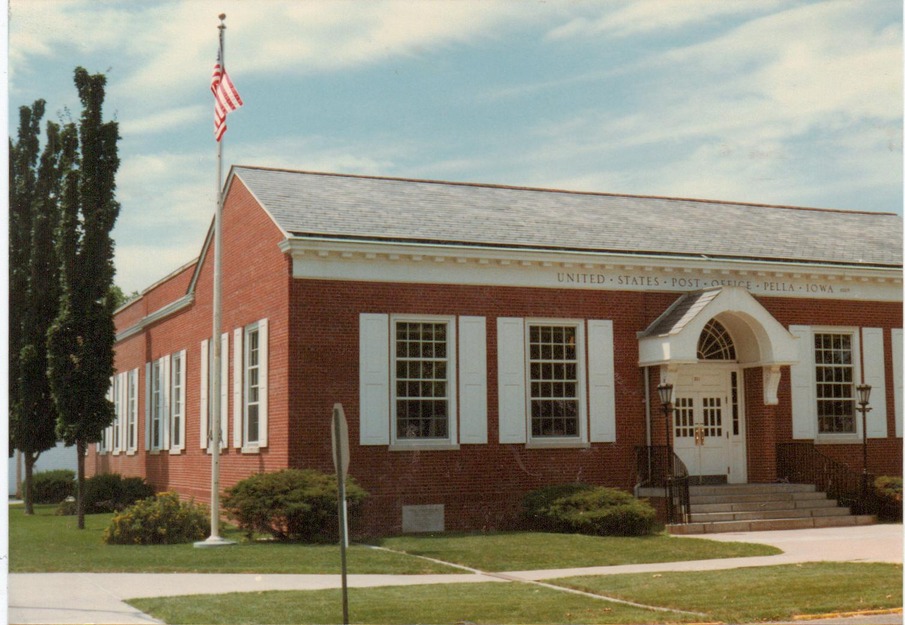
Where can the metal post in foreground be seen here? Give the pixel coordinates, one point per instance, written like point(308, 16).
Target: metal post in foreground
point(340, 432)
point(214, 540)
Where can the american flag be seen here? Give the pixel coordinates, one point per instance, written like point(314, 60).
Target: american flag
point(226, 98)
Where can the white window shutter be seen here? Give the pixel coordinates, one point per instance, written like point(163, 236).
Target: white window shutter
point(262, 381)
point(147, 406)
point(601, 381)
point(238, 381)
point(803, 378)
point(511, 373)
point(374, 379)
point(166, 387)
point(897, 374)
point(473, 380)
point(875, 375)
point(205, 383)
point(224, 389)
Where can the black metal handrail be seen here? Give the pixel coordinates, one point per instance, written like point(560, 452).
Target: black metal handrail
point(650, 466)
point(802, 463)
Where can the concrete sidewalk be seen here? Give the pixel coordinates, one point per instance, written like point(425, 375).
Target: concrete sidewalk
point(100, 597)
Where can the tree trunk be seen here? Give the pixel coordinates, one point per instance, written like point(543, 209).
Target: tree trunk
point(80, 447)
point(28, 493)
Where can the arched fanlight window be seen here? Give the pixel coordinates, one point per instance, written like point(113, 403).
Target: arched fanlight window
point(715, 343)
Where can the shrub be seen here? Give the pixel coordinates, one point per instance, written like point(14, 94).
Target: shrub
point(161, 520)
point(52, 486)
point(889, 495)
point(585, 509)
point(291, 504)
point(110, 492)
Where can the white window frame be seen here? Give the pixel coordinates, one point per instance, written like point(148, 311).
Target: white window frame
point(451, 438)
point(581, 438)
point(116, 426)
point(854, 334)
point(156, 416)
point(131, 429)
point(247, 369)
point(177, 391)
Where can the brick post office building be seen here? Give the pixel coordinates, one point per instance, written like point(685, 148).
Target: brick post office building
point(487, 340)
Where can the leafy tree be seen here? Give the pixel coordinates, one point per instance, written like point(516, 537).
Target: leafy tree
point(81, 338)
point(35, 281)
point(35, 427)
point(23, 158)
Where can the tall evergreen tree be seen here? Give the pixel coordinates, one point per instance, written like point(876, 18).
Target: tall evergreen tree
point(34, 428)
point(82, 336)
point(23, 158)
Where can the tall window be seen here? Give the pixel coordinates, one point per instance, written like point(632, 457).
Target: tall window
point(132, 411)
point(422, 380)
point(553, 367)
point(835, 387)
point(252, 385)
point(177, 399)
point(156, 404)
point(117, 411)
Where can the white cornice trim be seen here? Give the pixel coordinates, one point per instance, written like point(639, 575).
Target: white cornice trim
point(157, 315)
point(338, 257)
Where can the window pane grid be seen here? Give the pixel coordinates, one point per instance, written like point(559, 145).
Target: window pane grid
point(553, 367)
point(252, 385)
point(422, 386)
point(683, 416)
point(835, 388)
point(176, 401)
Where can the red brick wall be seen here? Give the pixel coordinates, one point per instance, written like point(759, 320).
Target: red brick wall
point(255, 286)
point(316, 364)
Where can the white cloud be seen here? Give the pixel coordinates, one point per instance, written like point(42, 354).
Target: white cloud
point(168, 120)
point(649, 16)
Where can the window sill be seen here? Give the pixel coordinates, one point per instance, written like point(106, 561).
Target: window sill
point(558, 444)
point(843, 439)
point(176, 452)
point(251, 449)
point(424, 446)
point(131, 452)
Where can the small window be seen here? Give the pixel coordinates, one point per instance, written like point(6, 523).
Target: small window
point(715, 343)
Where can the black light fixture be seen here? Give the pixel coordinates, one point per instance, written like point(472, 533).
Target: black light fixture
point(863, 401)
point(665, 391)
point(863, 394)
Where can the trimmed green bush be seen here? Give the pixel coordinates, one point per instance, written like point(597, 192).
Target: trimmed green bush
point(586, 509)
point(889, 494)
point(161, 520)
point(292, 504)
point(52, 486)
point(111, 492)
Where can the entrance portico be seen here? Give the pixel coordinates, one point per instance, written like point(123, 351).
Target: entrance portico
point(702, 344)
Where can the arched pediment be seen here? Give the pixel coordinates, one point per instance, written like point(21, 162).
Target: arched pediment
point(759, 339)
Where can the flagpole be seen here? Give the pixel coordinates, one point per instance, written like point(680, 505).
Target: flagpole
point(214, 540)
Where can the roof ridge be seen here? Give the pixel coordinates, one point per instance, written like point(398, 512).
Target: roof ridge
point(564, 191)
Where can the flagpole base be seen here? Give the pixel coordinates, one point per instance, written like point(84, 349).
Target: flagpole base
point(214, 541)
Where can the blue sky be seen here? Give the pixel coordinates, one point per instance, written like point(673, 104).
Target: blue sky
point(796, 103)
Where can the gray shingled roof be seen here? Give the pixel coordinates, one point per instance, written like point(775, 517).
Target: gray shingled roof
point(308, 204)
point(680, 313)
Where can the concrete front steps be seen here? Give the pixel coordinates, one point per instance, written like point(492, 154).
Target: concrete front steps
point(757, 507)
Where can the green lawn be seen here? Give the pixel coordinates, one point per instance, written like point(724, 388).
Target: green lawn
point(759, 593)
point(740, 595)
point(522, 551)
point(49, 543)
